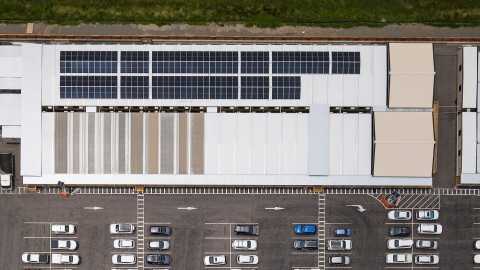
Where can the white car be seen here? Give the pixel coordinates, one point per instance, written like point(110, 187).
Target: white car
point(399, 215)
point(63, 244)
point(124, 243)
point(124, 259)
point(215, 260)
point(427, 228)
point(35, 257)
point(427, 244)
point(427, 215)
point(65, 259)
point(339, 244)
point(399, 258)
point(244, 244)
point(476, 244)
point(63, 229)
point(427, 259)
point(122, 228)
point(399, 243)
point(476, 259)
point(247, 259)
point(160, 245)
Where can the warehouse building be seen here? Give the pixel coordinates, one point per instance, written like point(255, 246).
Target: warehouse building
point(468, 137)
point(323, 115)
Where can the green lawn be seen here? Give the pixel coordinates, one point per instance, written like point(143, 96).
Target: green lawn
point(263, 13)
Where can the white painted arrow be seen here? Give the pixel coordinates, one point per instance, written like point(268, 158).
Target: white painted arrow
point(360, 208)
point(276, 208)
point(93, 208)
point(186, 208)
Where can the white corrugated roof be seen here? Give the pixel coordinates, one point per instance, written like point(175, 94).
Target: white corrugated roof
point(469, 75)
point(350, 144)
point(403, 144)
point(11, 132)
point(10, 105)
point(469, 142)
point(412, 74)
point(318, 140)
point(31, 110)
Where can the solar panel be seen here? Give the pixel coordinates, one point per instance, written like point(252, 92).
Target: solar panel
point(134, 87)
point(134, 62)
point(286, 87)
point(194, 87)
point(254, 62)
point(88, 87)
point(88, 62)
point(300, 62)
point(254, 87)
point(345, 62)
point(194, 62)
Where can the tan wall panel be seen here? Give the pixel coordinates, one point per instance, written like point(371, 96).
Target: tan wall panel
point(153, 143)
point(136, 139)
point(61, 132)
point(197, 134)
point(91, 143)
point(166, 143)
point(182, 143)
point(107, 147)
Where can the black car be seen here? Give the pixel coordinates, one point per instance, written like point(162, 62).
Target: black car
point(247, 229)
point(162, 230)
point(162, 259)
point(399, 231)
point(305, 244)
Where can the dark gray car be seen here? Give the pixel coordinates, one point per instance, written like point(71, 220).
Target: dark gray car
point(247, 229)
point(305, 244)
point(161, 259)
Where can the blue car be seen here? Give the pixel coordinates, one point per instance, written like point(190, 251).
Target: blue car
point(305, 229)
point(342, 232)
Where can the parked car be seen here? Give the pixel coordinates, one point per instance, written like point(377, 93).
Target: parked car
point(399, 215)
point(247, 230)
point(161, 230)
point(160, 259)
point(304, 229)
point(427, 259)
point(160, 245)
point(476, 244)
point(63, 229)
point(305, 244)
point(399, 231)
point(215, 260)
point(476, 259)
point(339, 260)
point(124, 259)
point(339, 244)
point(63, 244)
point(244, 244)
point(427, 215)
point(427, 244)
point(122, 228)
point(65, 259)
point(124, 243)
point(399, 258)
point(247, 259)
point(399, 243)
point(342, 232)
point(427, 228)
point(35, 257)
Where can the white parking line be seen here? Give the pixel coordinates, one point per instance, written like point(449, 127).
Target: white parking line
point(49, 237)
point(339, 223)
point(53, 222)
point(160, 223)
point(229, 223)
point(233, 252)
point(312, 223)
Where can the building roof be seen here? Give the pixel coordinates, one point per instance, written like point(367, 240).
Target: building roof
point(469, 77)
point(469, 142)
point(411, 75)
point(404, 144)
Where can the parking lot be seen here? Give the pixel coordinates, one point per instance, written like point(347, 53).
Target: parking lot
point(204, 225)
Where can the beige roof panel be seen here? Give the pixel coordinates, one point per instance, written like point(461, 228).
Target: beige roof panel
point(412, 75)
point(403, 144)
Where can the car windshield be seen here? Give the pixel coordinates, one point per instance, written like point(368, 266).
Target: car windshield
point(211, 260)
point(430, 214)
point(248, 244)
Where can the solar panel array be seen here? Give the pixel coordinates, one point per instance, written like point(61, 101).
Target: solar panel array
point(84, 73)
point(195, 87)
point(88, 87)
